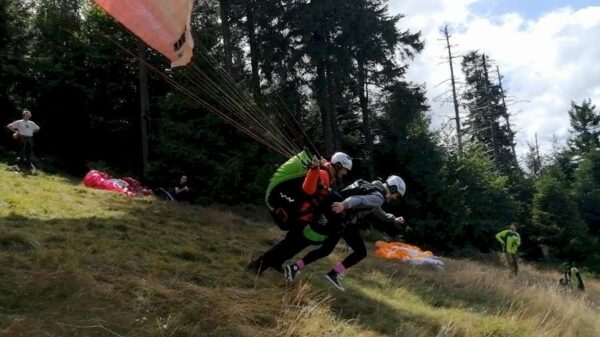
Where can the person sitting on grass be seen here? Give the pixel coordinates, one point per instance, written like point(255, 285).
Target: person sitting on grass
point(571, 275)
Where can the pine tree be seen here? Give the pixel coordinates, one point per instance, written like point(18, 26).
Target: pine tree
point(556, 219)
point(533, 161)
point(585, 121)
point(483, 100)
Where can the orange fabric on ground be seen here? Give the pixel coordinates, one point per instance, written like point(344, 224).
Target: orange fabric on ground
point(400, 251)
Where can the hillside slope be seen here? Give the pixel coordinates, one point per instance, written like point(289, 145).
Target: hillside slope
point(81, 262)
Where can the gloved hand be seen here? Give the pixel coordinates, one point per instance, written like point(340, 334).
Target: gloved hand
point(399, 220)
point(315, 163)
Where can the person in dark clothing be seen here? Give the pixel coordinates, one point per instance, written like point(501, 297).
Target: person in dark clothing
point(312, 223)
point(356, 209)
point(182, 191)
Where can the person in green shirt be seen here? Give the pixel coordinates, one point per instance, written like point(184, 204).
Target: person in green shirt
point(571, 275)
point(510, 241)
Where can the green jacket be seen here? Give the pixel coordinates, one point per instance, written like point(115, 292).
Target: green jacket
point(510, 240)
point(572, 275)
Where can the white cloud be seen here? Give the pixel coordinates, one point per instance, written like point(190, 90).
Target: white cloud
point(547, 61)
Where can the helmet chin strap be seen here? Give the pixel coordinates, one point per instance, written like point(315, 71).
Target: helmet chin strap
point(387, 189)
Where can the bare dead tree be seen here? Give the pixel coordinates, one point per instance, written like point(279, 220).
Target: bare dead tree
point(453, 82)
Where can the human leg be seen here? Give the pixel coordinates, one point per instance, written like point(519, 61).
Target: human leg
point(285, 249)
point(324, 250)
point(359, 251)
point(512, 262)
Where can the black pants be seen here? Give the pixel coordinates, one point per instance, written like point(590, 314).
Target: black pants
point(352, 237)
point(26, 151)
point(293, 243)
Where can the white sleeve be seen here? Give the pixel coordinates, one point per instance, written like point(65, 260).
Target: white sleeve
point(35, 127)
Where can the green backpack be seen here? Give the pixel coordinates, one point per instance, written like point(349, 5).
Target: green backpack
point(284, 193)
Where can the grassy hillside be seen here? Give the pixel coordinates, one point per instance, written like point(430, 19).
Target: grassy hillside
point(81, 262)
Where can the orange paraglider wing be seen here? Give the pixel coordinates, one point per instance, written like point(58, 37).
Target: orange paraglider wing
point(400, 251)
point(163, 25)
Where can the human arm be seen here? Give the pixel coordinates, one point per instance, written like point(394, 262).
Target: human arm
point(383, 216)
point(501, 236)
point(13, 127)
point(36, 128)
point(373, 200)
point(387, 222)
point(365, 201)
point(311, 182)
point(182, 189)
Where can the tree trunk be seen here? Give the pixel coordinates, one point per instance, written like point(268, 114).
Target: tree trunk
point(364, 106)
point(254, 52)
point(454, 99)
point(144, 106)
point(225, 12)
point(538, 159)
point(321, 91)
point(331, 107)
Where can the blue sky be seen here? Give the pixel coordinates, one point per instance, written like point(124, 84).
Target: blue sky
point(529, 9)
point(547, 50)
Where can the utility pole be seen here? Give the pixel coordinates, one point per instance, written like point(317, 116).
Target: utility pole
point(144, 105)
point(455, 100)
point(490, 113)
point(506, 117)
point(537, 154)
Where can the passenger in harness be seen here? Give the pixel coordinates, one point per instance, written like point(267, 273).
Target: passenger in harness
point(302, 214)
point(362, 199)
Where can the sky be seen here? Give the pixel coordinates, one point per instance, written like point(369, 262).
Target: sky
point(548, 52)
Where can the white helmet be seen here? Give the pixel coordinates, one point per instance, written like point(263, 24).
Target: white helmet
point(396, 184)
point(340, 159)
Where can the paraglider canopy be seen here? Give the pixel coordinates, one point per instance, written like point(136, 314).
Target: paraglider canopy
point(407, 253)
point(163, 25)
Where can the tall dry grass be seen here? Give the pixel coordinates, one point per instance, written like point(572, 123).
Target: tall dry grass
point(80, 262)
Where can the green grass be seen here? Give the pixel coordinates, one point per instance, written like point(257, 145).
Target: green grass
point(81, 262)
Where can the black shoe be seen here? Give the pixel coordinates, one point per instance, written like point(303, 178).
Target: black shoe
point(335, 278)
point(290, 271)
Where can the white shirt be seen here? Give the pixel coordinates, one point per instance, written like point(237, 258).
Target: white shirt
point(26, 128)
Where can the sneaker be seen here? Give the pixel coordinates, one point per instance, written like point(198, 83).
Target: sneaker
point(335, 278)
point(290, 271)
